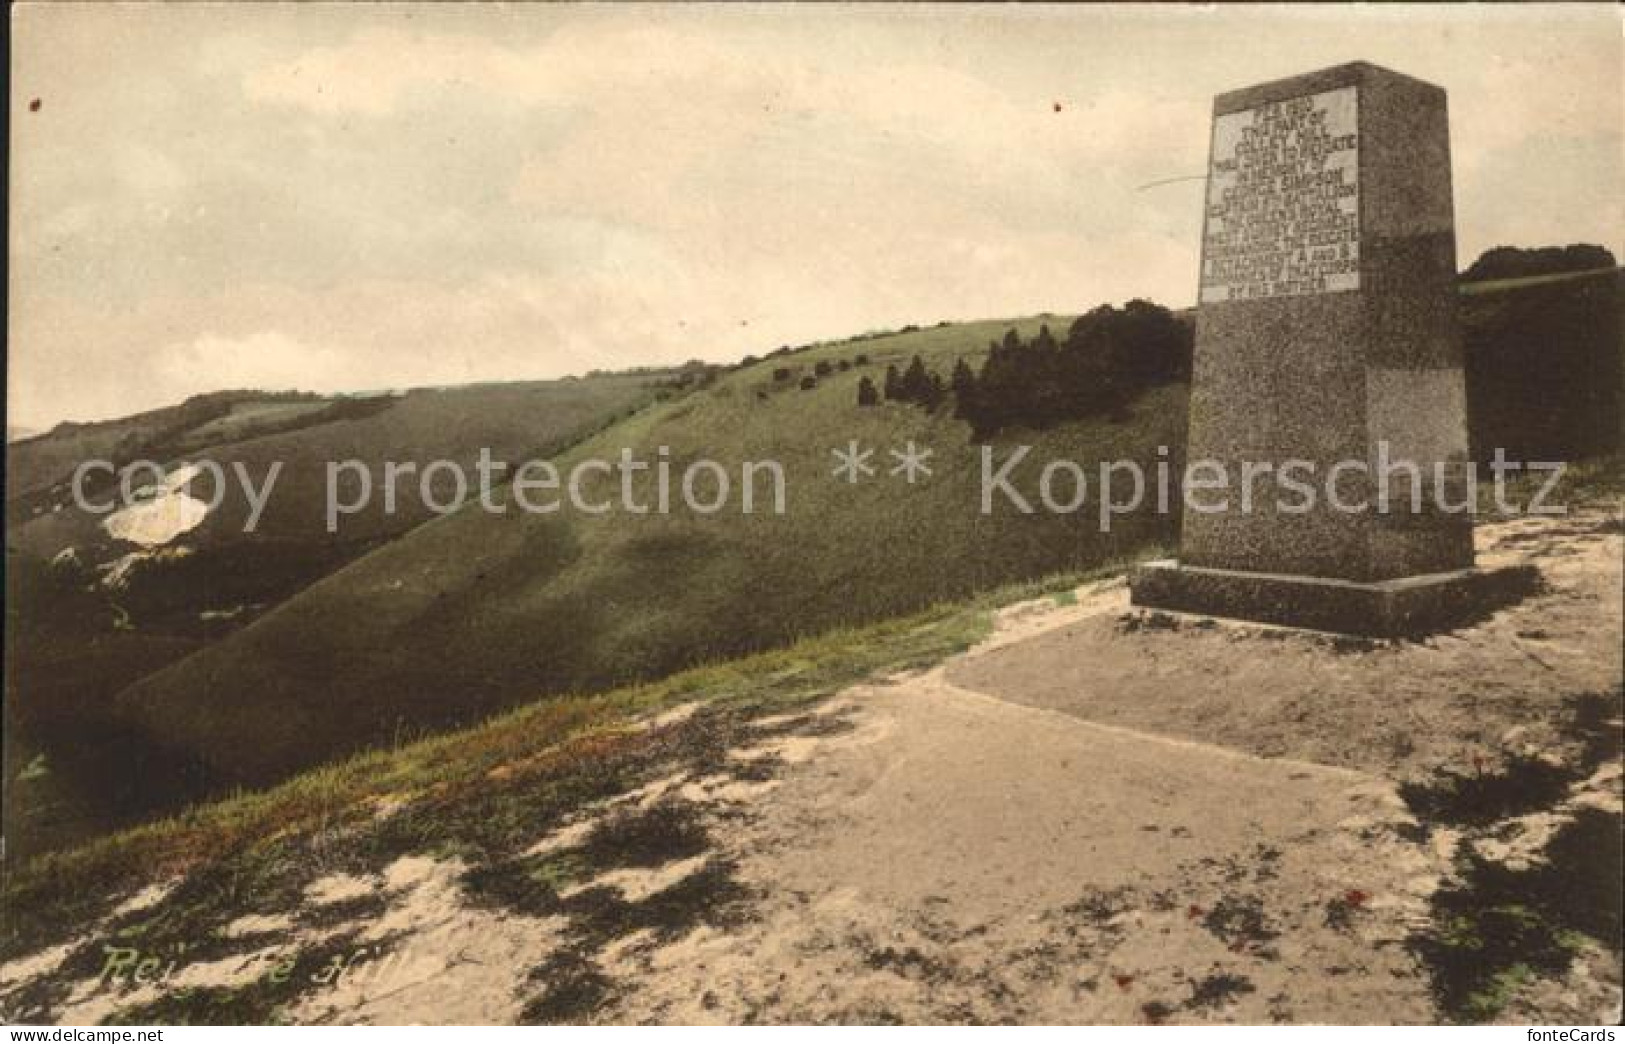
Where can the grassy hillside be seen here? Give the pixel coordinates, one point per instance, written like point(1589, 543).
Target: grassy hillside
point(1545, 376)
point(510, 420)
point(74, 638)
point(475, 612)
point(470, 614)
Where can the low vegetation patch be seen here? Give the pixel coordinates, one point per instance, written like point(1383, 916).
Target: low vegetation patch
point(1498, 926)
point(1479, 797)
point(1214, 991)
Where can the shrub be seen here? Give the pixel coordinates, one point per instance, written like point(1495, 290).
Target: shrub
point(1505, 262)
point(1109, 356)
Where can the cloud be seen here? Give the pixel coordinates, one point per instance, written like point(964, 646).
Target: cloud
point(377, 72)
point(353, 195)
point(269, 359)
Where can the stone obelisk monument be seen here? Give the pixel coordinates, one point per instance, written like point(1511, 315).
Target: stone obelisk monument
point(1326, 339)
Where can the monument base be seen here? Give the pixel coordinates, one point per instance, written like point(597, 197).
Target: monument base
point(1404, 608)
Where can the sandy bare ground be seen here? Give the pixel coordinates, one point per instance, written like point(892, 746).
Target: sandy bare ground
point(1399, 709)
point(1089, 819)
point(1098, 815)
point(958, 858)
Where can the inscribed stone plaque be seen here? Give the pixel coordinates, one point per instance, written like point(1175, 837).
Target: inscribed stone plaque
point(1283, 204)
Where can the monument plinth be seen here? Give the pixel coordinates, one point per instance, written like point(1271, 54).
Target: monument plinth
point(1326, 339)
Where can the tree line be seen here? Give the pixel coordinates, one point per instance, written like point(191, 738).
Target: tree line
point(1505, 262)
point(1109, 356)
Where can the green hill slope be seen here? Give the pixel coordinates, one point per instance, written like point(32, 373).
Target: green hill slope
point(510, 420)
point(80, 631)
point(478, 611)
point(1545, 375)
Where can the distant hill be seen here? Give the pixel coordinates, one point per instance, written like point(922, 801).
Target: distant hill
point(107, 612)
point(430, 424)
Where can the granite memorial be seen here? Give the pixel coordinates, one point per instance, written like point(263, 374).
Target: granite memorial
point(1326, 334)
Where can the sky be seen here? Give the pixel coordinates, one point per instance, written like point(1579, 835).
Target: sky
point(351, 197)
